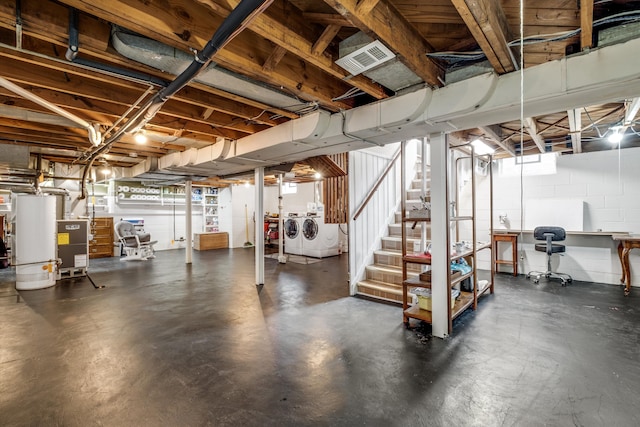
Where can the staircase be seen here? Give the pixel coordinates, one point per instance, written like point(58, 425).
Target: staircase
point(383, 280)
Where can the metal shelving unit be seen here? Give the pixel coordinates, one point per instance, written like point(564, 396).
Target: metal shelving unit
point(466, 299)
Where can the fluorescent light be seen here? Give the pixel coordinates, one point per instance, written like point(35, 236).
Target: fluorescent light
point(105, 171)
point(246, 184)
point(317, 175)
point(616, 135)
point(481, 148)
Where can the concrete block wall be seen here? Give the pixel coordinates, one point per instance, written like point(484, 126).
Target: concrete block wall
point(607, 181)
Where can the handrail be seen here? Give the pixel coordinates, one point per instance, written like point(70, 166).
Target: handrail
point(377, 184)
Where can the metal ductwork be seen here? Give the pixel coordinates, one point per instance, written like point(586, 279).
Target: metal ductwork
point(174, 61)
point(391, 74)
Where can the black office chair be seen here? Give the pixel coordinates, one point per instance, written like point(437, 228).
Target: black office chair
point(549, 235)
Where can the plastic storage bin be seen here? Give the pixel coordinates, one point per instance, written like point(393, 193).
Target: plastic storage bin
point(424, 297)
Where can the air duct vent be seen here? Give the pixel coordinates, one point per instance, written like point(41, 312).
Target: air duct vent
point(365, 58)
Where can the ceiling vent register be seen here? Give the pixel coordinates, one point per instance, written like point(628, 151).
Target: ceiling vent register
point(365, 58)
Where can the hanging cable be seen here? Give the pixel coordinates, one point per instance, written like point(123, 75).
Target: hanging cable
point(521, 126)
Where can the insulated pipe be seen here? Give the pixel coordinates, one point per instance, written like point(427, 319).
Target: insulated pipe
point(72, 53)
point(94, 135)
point(233, 24)
point(72, 50)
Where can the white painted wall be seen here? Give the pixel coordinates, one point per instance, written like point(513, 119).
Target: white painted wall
point(607, 181)
point(365, 233)
point(241, 195)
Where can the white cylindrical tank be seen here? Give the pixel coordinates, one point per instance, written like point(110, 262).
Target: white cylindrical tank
point(35, 241)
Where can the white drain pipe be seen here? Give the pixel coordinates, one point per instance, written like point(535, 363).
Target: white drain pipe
point(94, 135)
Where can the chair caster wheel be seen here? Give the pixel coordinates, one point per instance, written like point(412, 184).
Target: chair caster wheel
point(536, 281)
point(626, 292)
point(528, 276)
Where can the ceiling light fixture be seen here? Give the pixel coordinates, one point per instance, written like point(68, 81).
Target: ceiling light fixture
point(105, 171)
point(317, 175)
point(481, 148)
point(140, 137)
point(616, 135)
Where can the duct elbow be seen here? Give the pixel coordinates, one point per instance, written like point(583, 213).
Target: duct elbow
point(94, 135)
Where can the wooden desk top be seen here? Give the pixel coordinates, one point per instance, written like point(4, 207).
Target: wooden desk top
point(571, 233)
point(626, 237)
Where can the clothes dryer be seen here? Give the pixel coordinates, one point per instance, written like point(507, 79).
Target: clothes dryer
point(319, 240)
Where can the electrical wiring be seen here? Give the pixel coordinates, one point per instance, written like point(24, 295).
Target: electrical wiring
point(457, 57)
point(351, 93)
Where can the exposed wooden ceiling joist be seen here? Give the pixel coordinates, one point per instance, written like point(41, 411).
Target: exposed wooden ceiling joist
point(190, 25)
point(532, 128)
point(488, 24)
point(283, 36)
point(586, 24)
point(494, 133)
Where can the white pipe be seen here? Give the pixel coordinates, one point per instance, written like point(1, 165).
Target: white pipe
point(94, 135)
point(281, 258)
point(188, 256)
point(259, 224)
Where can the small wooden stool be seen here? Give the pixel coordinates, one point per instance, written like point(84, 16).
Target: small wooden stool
point(513, 239)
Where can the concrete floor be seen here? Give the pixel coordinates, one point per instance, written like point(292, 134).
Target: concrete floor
point(165, 344)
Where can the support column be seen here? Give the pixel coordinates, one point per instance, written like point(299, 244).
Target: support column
point(439, 235)
point(259, 225)
point(282, 259)
point(188, 223)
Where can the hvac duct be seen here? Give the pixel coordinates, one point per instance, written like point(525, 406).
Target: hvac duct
point(174, 61)
point(391, 74)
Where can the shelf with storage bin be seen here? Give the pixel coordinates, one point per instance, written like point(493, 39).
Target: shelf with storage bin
point(210, 209)
point(464, 301)
point(468, 252)
point(135, 193)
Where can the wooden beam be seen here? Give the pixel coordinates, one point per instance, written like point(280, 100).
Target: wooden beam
point(386, 24)
point(532, 128)
point(50, 20)
point(325, 38)
point(586, 24)
point(274, 59)
point(196, 93)
point(190, 25)
point(631, 112)
point(68, 78)
point(325, 166)
point(366, 6)
point(327, 19)
point(575, 126)
point(279, 33)
point(488, 24)
point(494, 133)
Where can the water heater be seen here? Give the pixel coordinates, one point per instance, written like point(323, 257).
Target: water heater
point(34, 232)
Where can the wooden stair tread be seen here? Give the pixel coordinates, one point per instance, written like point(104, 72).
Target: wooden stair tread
point(385, 268)
point(370, 283)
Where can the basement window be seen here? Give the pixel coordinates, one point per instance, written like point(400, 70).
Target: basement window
point(289, 188)
point(537, 164)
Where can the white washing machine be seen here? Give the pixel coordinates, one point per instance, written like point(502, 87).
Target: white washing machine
point(319, 240)
point(293, 236)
